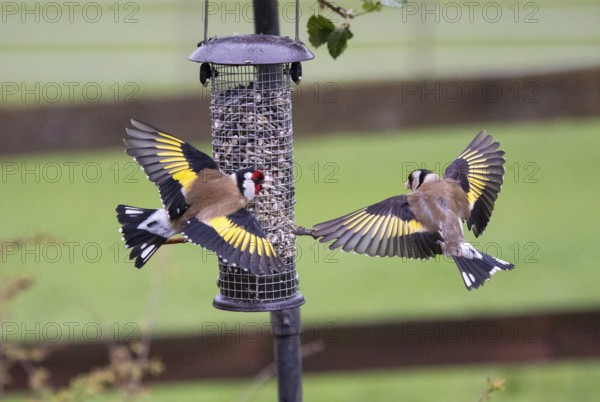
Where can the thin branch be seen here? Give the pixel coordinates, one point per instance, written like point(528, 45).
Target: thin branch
point(302, 231)
point(337, 9)
point(176, 240)
point(493, 385)
point(154, 294)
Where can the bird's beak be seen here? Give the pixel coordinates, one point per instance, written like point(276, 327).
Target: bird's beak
point(406, 186)
point(268, 182)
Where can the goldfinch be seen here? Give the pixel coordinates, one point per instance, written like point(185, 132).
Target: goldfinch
point(429, 220)
point(199, 201)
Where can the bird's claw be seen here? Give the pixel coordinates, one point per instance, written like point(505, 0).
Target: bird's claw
point(302, 231)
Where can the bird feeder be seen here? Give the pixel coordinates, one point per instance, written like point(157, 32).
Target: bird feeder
point(251, 125)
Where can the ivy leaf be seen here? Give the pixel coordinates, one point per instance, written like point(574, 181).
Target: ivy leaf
point(377, 5)
point(337, 41)
point(393, 3)
point(319, 29)
point(372, 5)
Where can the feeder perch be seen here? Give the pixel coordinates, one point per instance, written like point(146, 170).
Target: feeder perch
point(251, 125)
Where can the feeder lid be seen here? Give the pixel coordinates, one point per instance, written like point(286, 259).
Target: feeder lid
point(251, 50)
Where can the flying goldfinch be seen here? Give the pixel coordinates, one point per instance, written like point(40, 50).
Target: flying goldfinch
point(199, 201)
point(429, 220)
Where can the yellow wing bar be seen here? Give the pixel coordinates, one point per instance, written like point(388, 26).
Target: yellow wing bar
point(170, 163)
point(388, 228)
point(479, 170)
point(238, 240)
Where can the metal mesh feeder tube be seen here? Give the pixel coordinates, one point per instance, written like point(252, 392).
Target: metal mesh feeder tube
point(251, 125)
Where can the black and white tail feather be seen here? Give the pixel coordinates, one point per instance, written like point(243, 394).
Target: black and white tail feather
point(144, 231)
point(476, 267)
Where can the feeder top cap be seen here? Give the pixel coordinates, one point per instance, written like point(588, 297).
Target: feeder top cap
point(251, 50)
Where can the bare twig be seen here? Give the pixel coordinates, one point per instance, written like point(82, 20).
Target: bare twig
point(493, 385)
point(19, 242)
point(337, 9)
point(14, 287)
point(143, 356)
point(12, 354)
point(176, 240)
point(302, 231)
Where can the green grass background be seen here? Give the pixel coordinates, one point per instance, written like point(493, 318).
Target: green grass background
point(545, 220)
point(551, 205)
point(549, 382)
point(144, 48)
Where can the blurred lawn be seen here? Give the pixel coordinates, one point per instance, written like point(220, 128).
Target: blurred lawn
point(139, 50)
point(550, 382)
point(558, 382)
point(545, 222)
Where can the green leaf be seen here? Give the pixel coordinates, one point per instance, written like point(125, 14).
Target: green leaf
point(371, 5)
point(338, 41)
point(377, 5)
point(393, 3)
point(319, 29)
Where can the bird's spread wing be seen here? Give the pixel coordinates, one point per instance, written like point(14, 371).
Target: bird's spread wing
point(169, 162)
point(238, 239)
point(388, 228)
point(479, 170)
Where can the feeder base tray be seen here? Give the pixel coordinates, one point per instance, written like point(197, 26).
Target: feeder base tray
point(224, 303)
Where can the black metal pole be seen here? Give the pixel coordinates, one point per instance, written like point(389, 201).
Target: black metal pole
point(266, 17)
point(286, 329)
point(285, 324)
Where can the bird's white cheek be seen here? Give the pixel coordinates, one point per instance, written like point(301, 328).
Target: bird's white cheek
point(249, 191)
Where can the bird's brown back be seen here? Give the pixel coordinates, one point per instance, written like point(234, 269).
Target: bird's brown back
point(437, 202)
point(212, 194)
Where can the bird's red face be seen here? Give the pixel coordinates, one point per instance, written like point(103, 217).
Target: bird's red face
point(251, 181)
point(258, 178)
